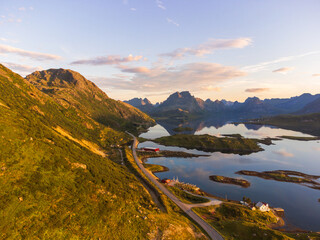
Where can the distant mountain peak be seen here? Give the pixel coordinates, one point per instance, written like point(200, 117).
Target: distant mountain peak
point(254, 100)
point(146, 101)
point(185, 94)
point(137, 102)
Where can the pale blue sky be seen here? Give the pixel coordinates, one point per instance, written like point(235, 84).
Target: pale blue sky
point(215, 49)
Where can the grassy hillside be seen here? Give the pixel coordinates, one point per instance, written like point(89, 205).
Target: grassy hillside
point(236, 222)
point(308, 123)
point(57, 178)
point(71, 89)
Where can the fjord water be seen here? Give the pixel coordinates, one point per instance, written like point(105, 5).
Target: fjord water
point(300, 203)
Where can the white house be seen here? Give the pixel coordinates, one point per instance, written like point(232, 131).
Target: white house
point(263, 207)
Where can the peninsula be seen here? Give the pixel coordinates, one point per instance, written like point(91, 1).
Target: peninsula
point(208, 143)
point(286, 176)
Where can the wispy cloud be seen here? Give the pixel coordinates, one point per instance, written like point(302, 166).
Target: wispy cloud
point(7, 40)
point(160, 4)
point(316, 75)
point(108, 60)
point(22, 69)
point(169, 20)
point(134, 69)
point(6, 49)
point(10, 19)
point(193, 76)
point(283, 152)
point(211, 88)
point(25, 8)
point(133, 9)
point(265, 65)
point(208, 47)
point(283, 70)
point(256, 90)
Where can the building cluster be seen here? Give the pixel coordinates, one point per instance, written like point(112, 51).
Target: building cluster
point(183, 186)
point(262, 206)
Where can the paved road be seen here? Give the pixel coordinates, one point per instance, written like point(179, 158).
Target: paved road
point(121, 156)
point(185, 207)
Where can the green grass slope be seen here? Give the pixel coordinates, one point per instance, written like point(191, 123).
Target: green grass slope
point(236, 222)
point(71, 89)
point(57, 180)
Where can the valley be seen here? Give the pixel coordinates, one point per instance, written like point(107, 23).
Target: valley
point(159, 120)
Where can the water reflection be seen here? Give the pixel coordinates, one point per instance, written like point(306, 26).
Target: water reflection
point(217, 128)
point(301, 204)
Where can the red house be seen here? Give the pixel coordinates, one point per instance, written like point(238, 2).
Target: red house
point(166, 180)
point(150, 149)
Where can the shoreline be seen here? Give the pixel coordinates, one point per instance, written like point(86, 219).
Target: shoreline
point(282, 225)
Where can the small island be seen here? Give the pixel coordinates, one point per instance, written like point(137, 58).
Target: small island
point(285, 176)
point(229, 180)
point(143, 155)
point(155, 168)
point(300, 138)
point(208, 143)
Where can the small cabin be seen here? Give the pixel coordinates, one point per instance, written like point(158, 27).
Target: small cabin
point(263, 207)
point(150, 149)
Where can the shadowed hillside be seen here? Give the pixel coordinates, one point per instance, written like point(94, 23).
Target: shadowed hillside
point(307, 123)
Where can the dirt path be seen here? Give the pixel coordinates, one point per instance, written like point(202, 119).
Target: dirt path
point(212, 202)
point(212, 233)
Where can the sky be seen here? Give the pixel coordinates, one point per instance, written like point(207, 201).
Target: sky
point(217, 49)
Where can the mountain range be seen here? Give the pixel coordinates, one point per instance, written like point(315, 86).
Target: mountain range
point(184, 104)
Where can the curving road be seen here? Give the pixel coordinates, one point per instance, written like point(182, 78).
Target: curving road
point(212, 233)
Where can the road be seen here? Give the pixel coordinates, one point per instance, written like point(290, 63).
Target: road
point(187, 208)
point(121, 156)
point(153, 193)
